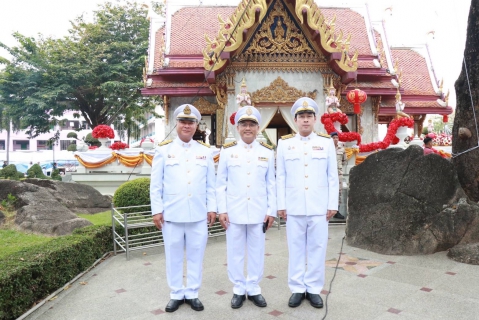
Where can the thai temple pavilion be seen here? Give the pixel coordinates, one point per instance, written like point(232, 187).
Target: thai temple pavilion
point(271, 52)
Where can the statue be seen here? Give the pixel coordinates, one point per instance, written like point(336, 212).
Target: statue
point(332, 102)
point(243, 98)
point(279, 33)
point(400, 107)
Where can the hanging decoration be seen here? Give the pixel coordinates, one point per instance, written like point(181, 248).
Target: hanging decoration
point(445, 118)
point(356, 97)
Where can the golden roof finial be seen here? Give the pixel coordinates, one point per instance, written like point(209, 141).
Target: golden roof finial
point(446, 98)
point(396, 66)
point(398, 96)
point(441, 84)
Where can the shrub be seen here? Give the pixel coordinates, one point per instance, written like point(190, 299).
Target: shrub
point(92, 141)
point(35, 171)
point(32, 274)
point(72, 147)
point(10, 172)
point(56, 175)
point(72, 135)
point(133, 193)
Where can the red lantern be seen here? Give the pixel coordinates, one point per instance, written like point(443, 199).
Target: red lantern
point(356, 97)
point(445, 118)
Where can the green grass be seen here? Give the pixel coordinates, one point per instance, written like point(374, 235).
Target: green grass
point(13, 241)
point(98, 219)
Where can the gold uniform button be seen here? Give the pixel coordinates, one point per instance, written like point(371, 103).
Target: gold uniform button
point(189, 182)
point(248, 161)
point(248, 185)
point(305, 164)
point(305, 153)
point(187, 160)
point(188, 171)
point(306, 188)
point(305, 176)
point(189, 195)
point(248, 173)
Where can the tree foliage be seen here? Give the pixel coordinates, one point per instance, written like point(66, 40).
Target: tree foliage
point(96, 70)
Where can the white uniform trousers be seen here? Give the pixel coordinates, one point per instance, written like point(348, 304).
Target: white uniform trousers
point(307, 241)
point(251, 236)
point(177, 236)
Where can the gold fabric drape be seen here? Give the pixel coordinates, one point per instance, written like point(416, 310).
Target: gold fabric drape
point(128, 161)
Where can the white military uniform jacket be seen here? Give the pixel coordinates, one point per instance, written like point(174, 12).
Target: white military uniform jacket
point(183, 181)
point(245, 183)
point(307, 175)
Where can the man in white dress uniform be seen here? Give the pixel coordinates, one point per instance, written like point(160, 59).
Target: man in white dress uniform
point(246, 196)
point(182, 193)
point(307, 192)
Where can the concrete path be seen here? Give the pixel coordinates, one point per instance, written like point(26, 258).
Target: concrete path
point(367, 286)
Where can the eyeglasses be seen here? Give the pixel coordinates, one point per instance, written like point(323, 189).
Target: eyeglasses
point(247, 124)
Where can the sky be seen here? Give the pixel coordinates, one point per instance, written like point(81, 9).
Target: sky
point(407, 24)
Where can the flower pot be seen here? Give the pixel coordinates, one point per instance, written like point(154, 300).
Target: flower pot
point(103, 143)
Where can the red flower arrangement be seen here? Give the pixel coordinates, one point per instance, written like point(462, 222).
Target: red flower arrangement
point(390, 135)
point(232, 118)
point(92, 147)
point(103, 131)
point(336, 116)
point(119, 145)
point(327, 120)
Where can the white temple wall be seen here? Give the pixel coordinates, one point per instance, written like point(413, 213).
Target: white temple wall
point(370, 127)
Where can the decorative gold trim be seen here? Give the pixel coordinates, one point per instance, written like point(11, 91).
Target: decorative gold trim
point(280, 92)
point(381, 54)
point(330, 43)
point(271, 66)
point(220, 121)
point(227, 40)
point(166, 106)
point(376, 102)
point(205, 107)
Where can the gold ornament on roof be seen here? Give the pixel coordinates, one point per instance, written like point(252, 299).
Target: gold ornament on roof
point(280, 92)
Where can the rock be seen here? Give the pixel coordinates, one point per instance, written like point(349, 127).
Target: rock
point(465, 253)
point(2, 218)
point(402, 202)
point(39, 211)
point(79, 198)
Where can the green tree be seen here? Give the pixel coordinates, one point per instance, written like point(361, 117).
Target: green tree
point(96, 71)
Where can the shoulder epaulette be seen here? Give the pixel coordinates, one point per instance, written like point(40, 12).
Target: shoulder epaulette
point(164, 143)
point(323, 135)
point(288, 136)
point(231, 144)
point(202, 143)
point(270, 147)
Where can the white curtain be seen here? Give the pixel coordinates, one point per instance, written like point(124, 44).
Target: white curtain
point(286, 113)
point(267, 113)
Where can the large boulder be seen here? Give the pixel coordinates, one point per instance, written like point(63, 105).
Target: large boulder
point(79, 198)
point(465, 253)
point(402, 202)
point(39, 211)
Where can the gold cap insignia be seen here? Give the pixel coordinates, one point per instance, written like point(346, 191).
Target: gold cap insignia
point(305, 103)
point(249, 111)
point(187, 110)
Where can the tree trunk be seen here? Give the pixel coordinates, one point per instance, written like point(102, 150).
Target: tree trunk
point(467, 164)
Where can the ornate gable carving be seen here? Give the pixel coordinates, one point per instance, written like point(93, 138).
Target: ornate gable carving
point(280, 92)
point(204, 106)
point(279, 39)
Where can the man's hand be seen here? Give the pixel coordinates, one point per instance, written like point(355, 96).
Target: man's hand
point(330, 214)
point(282, 214)
point(158, 220)
point(270, 220)
point(224, 220)
point(211, 218)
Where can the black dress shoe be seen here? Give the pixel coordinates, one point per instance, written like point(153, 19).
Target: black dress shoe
point(173, 305)
point(258, 300)
point(237, 301)
point(295, 300)
point(314, 299)
point(338, 216)
point(195, 304)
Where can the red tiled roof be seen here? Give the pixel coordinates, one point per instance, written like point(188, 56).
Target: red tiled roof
point(186, 64)
point(350, 22)
point(366, 64)
point(169, 84)
point(415, 74)
point(159, 44)
point(372, 84)
point(413, 104)
point(189, 26)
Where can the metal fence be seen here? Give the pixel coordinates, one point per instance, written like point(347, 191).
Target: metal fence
point(133, 229)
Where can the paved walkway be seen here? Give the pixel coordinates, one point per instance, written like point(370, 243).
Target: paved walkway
point(367, 286)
